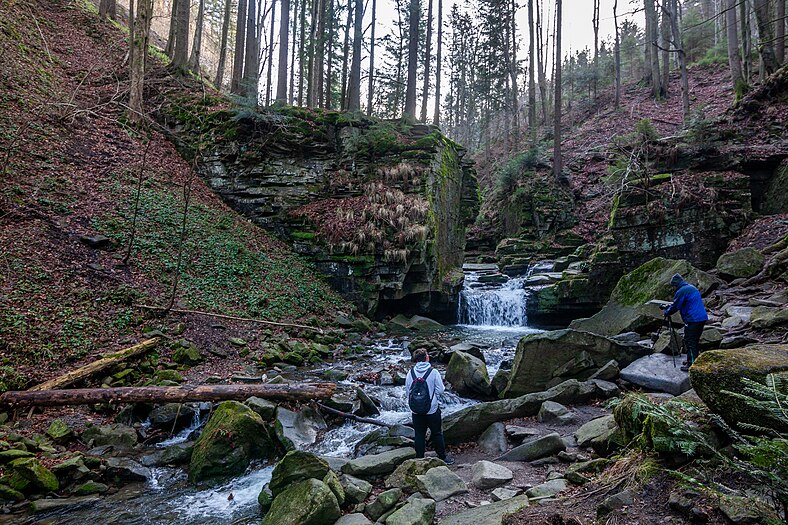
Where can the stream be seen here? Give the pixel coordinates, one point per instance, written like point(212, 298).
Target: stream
point(492, 312)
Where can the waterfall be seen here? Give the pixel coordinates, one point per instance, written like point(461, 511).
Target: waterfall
point(489, 298)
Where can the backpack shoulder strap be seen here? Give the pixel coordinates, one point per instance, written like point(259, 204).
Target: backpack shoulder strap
point(413, 374)
point(425, 376)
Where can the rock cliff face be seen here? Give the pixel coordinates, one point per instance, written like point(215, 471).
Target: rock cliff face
point(380, 207)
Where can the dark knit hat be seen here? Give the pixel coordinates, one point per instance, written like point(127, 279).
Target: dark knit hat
point(676, 280)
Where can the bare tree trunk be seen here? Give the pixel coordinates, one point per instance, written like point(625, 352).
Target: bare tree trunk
point(291, 95)
point(346, 54)
point(436, 117)
point(173, 32)
point(330, 56)
point(320, 52)
point(653, 52)
point(180, 55)
point(512, 66)
point(665, 29)
point(413, 59)
point(427, 58)
point(223, 45)
point(371, 85)
point(301, 56)
point(531, 73)
point(596, 46)
point(251, 78)
point(617, 53)
point(541, 65)
point(765, 36)
point(674, 18)
point(557, 161)
point(139, 51)
point(746, 37)
point(311, 96)
point(779, 41)
point(270, 65)
point(194, 59)
point(284, 37)
point(108, 9)
point(734, 60)
point(354, 83)
point(240, 46)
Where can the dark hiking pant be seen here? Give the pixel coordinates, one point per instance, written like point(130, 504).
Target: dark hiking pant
point(420, 425)
point(692, 333)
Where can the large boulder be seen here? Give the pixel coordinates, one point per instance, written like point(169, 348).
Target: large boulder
point(628, 309)
point(297, 430)
point(468, 375)
point(768, 317)
point(309, 502)
point(741, 263)
point(488, 475)
point(468, 424)
point(117, 435)
point(378, 464)
point(232, 438)
point(36, 474)
point(538, 448)
point(440, 483)
point(404, 476)
point(297, 466)
point(493, 441)
point(658, 372)
point(492, 514)
point(718, 372)
point(545, 359)
point(383, 503)
point(417, 511)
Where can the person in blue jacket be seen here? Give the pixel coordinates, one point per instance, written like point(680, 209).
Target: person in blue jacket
point(687, 300)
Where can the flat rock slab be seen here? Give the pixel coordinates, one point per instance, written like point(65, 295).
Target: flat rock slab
point(440, 483)
point(378, 464)
point(656, 372)
point(487, 475)
point(541, 447)
point(548, 489)
point(491, 514)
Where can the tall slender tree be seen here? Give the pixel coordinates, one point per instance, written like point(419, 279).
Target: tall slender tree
point(346, 54)
point(328, 88)
point(251, 77)
point(240, 48)
point(436, 117)
point(531, 72)
point(173, 32)
point(180, 57)
point(223, 44)
point(270, 59)
point(557, 160)
point(765, 36)
point(311, 90)
point(371, 79)
point(652, 53)
point(194, 59)
point(284, 37)
point(673, 13)
point(413, 58)
point(301, 54)
point(665, 43)
point(108, 8)
point(595, 22)
point(617, 53)
point(354, 83)
point(734, 60)
point(139, 50)
point(291, 95)
point(746, 38)
point(425, 92)
point(779, 32)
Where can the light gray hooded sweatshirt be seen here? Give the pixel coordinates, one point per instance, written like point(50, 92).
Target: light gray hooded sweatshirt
point(434, 384)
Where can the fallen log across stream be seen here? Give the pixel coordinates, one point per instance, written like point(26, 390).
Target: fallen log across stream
point(166, 394)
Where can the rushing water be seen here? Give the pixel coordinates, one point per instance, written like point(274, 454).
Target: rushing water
point(487, 302)
point(492, 316)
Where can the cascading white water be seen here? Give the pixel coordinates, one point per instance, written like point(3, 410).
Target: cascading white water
point(485, 302)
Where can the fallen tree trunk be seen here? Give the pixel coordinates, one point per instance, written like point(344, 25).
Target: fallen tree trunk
point(167, 394)
point(352, 417)
point(96, 366)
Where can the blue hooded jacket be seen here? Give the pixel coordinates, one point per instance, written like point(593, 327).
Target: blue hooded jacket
point(688, 301)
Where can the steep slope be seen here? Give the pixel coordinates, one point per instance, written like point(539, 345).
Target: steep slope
point(70, 170)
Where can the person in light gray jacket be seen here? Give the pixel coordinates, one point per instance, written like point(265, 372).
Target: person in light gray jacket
point(432, 419)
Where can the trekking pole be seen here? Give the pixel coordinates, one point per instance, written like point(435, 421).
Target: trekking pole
point(673, 340)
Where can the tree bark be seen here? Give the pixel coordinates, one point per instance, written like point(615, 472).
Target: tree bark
point(173, 32)
point(765, 36)
point(651, 49)
point(734, 60)
point(251, 77)
point(240, 46)
point(329, 95)
point(284, 37)
point(320, 52)
point(311, 97)
point(427, 58)
point(139, 52)
point(194, 59)
point(100, 365)
point(413, 59)
point(779, 38)
point(371, 83)
point(746, 39)
point(617, 56)
point(346, 54)
point(180, 55)
point(557, 161)
point(167, 394)
point(223, 44)
point(541, 65)
point(595, 22)
point(270, 65)
point(108, 9)
point(436, 117)
point(354, 83)
point(291, 89)
point(674, 19)
point(301, 56)
point(531, 73)
point(666, 29)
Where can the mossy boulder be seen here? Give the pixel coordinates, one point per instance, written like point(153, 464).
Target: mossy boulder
point(297, 466)
point(468, 375)
point(716, 373)
point(545, 359)
point(309, 502)
point(188, 355)
point(59, 431)
point(765, 317)
point(232, 438)
point(741, 263)
point(404, 476)
point(629, 308)
point(117, 435)
point(31, 470)
point(91, 487)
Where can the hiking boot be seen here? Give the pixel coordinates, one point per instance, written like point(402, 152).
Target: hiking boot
point(684, 363)
point(685, 368)
point(448, 460)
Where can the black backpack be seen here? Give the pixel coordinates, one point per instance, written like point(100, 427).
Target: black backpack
point(419, 398)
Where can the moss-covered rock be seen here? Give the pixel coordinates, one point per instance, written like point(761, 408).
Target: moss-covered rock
point(468, 375)
point(117, 435)
point(629, 309)
point(717, 372)
point(59, 431)
point(309, 502)
point(188, 355)
point(91, 487)
point(741, 263)
point(232, 438)
point(768, 317)
point(35, 473)
point(297, 466)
